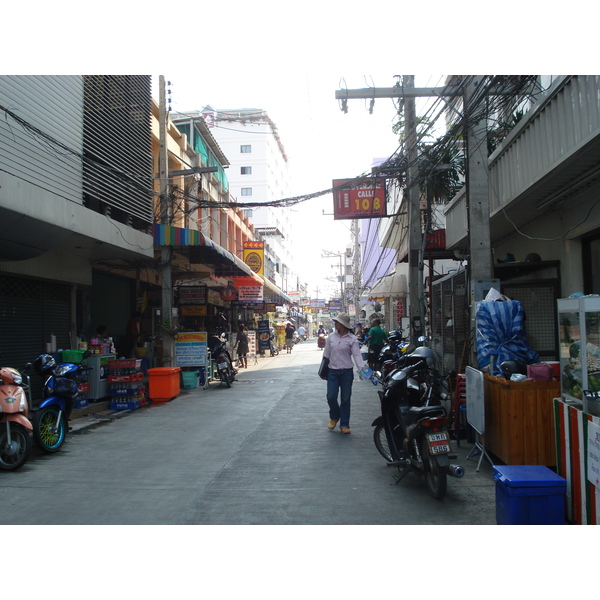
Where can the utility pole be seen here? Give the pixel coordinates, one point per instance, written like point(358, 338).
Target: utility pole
point(328, 254)
point(414, 215)
point(165, 214)
point(356, 271)
point(480, 260)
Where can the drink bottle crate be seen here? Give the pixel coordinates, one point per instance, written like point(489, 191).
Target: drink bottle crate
point(133, 390)
point(119, 404)
point(126, 378)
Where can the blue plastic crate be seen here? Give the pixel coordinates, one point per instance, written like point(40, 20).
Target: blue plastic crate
point(119, 405)
point(529, 495)
point(81, 402)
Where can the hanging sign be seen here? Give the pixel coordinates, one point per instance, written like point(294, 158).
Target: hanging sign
point(254, 256)
point(250, 294)
point(192, 294)
point(359, 198)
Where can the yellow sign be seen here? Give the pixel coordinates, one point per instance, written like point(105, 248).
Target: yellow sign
point(193, 311)
point(254, 256)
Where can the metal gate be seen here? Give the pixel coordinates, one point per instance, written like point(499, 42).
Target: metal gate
point(30, 312)
point(538, 299)
point(450, 320)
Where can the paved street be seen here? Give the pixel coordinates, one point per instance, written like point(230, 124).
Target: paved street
point(258, 453)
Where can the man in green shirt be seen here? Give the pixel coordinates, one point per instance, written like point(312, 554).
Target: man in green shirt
point(375, 341)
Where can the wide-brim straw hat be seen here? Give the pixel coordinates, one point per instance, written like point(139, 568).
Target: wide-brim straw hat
point(344, 320)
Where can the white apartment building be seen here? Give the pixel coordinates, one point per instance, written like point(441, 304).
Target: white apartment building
point(258, 172)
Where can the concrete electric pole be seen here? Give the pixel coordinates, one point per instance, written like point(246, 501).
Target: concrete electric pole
point(165, 215)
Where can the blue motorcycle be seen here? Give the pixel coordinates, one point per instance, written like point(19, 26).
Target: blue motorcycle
point(61, 389)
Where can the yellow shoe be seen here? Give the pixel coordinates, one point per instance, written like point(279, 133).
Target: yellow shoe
point(332, 424)
point(345, 430)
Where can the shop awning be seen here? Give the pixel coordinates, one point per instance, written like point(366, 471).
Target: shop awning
point(392, 285)
point(273, 291)
point(202, 250)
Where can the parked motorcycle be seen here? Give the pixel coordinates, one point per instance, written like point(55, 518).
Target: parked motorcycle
point(411, 432)
point(222, 360)
point(15, 443)
point(61, 390)
point(274, 349)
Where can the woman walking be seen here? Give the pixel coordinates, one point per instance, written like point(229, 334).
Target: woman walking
point(341, 348)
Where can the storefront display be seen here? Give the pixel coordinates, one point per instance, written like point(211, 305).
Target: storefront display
point(577, 414)
point(579, 354)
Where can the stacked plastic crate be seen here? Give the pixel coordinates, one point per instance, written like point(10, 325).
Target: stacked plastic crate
point(82, 398)
point(127, 390)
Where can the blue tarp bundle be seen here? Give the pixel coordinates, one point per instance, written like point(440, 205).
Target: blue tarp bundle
point(500, 335)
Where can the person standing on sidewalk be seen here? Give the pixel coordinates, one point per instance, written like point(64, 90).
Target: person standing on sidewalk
point(375, 340)
point(341, 348)
point(289, 336)
point(242, 347)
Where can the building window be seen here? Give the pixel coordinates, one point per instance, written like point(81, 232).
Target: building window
point(246, 191)
point(248, 213)
point(246, 149)
point(246, 170)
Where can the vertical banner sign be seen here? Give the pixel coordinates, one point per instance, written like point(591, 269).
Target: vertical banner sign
point(359, 198)
point(263, 335)
point(254, 256)
point(252, 344)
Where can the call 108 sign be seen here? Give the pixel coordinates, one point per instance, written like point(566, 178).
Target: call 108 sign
point(359, 198)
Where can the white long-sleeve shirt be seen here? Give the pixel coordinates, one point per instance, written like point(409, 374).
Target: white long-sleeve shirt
point(341, 349)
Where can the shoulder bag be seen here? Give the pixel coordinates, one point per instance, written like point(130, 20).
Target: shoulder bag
point(324, 368)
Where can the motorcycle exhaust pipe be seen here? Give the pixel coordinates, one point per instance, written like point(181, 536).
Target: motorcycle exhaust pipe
point(455, 471)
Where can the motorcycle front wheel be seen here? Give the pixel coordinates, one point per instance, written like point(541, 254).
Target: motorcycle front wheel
point(434, 474)
point(14, 455)
point(48, 432)
point(381, 443)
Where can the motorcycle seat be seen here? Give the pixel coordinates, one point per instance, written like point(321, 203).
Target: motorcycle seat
point(418, 412)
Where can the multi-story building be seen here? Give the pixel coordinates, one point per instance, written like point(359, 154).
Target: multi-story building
point(258, 173)
point(76, 191)
point(82, 212)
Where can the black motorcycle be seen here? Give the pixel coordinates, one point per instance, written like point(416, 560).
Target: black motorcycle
point(411, 432)
point(222, 360)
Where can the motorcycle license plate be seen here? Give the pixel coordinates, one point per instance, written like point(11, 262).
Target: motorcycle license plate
point(222, 365)
point(439, 443)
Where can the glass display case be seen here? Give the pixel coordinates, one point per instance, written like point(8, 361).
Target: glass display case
point(579, 351)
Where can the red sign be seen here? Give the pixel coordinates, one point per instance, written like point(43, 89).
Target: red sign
point(359, 198)
point(399, 309)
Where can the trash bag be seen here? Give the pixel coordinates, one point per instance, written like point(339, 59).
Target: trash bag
point(500, 335)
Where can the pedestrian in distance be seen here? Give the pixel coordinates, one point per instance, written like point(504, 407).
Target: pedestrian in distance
point(289, 336)
point(341, 349)
point(241, 343)
point(375, 340)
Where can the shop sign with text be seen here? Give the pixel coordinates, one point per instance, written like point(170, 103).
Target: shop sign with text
point(359, 199)
point(254, 256)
